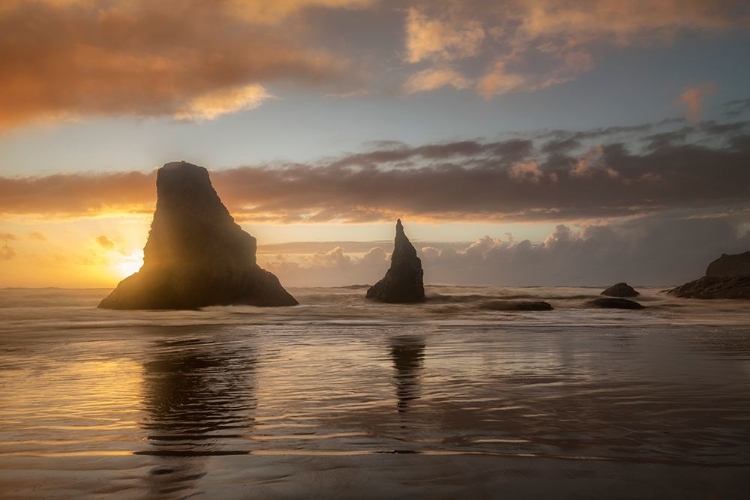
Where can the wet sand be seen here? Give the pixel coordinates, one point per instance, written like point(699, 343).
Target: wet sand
point(341, 397)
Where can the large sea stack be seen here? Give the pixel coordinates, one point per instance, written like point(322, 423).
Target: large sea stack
point(728, 277)
point(403, 281)
point(715, 287)
point(730, 265)
point(196, 255)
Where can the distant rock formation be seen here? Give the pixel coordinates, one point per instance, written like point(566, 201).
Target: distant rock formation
point(403, 281)
point(515, 305)
point(614, 304)
point(620, 290)
point(196, 255)
point(730, 265)
point(715, 287)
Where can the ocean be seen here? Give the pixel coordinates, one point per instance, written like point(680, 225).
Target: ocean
point(344, 398)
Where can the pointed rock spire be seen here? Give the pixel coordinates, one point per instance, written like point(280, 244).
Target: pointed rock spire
point(403, 281)
point(196, 255)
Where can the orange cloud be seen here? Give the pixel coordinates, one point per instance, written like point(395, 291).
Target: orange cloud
point(626, 23)
point(105, 242)
point(273, 11)
point(534, 44)
point(692, 98)
point(435, 78)
point(223, 101)
point(6, 252)
point(186, 58)
point(78, 194)
point(498, 82)
point(437, 39)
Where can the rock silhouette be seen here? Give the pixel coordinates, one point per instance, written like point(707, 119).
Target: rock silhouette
point(196, 255)
point(715, 287)
point(620, 290)
point(515, 305)
point(730, 265)
point(613, 303)
point(403, 281)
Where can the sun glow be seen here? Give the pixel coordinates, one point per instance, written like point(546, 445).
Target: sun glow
point(129, 264)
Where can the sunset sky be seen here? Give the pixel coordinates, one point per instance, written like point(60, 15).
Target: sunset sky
point(522, 142)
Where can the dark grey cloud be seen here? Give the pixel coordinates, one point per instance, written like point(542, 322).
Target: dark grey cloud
point(702, 167)
point(736, 107)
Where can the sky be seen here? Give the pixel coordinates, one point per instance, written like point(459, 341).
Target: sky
point(546, 142)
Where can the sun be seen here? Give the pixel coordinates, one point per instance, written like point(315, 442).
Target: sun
point(130, 264)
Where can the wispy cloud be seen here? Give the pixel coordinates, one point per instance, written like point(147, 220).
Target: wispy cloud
point(440, 39)
point(224, 101)
point(535, 44)
point(435, 78)
point(692, 100)
point(105, 242)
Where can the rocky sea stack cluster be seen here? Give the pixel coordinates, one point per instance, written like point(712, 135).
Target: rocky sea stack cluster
point(728, 277)
point(403, 282)
point(196, 255)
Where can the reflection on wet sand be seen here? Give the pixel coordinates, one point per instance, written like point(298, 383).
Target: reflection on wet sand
point(408, 359)
point(199, 401)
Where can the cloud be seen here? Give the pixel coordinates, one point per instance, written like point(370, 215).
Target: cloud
point(647, 251)
point(105, 242)
point(626, 22)
point(78, 193)
point(192, 58)
point(37, 236)
point(691, 99)
point(736, 107)
point(221, 102)
point(435, 78)
point(535, 44)
point(440, 40)
point(7, 252)
point(198, 60)
point(593, 161)
point(526, 172)
point(498, 82)
point(598, 174)
point(275, 11)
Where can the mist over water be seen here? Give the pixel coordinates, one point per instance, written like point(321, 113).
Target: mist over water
point(344, 396)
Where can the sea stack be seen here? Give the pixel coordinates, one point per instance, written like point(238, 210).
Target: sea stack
point(402, 283)
point(728, 277)
point(715, 287)
point(620, 290)
point(730, 265)
point(196, 255)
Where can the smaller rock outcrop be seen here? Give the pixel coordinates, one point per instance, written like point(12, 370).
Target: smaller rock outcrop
point(715, 287)
point(515, 305)
point(730, 265)
point(402, 283)
point(620, 290)
point(612, 303)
